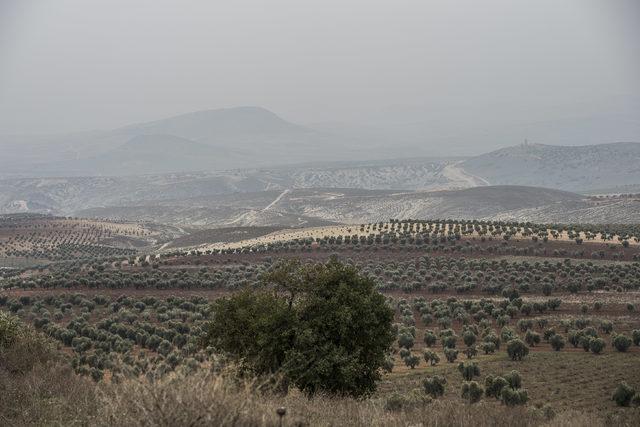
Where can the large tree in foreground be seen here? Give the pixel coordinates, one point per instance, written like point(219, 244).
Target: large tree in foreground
point(324, 327)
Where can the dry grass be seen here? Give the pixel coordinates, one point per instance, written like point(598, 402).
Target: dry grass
point(49, 393)
point(208, 399)
point(38, 388)
point(197, 400)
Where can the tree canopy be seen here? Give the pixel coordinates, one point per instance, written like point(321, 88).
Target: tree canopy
point(323, 326)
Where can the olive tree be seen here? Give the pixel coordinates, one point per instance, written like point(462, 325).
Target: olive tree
point(488, 347)
point(412, 361)
point(494, 385)
point(451, 354)
point(621, 342)
point(623, 394)
point(606, 326)
point(532, 338)
point(472, 391)
point(434, 386)
point(507, 389)
point(431, 357)
point(430, 339)
point(596, 345)
point(516, 349)
point(469, 370)
point(557, 342)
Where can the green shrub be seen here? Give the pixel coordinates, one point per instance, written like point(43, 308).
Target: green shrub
point(434, 386)
point(469, 370)
point(532, 338)
point(548, 333)
point(469, 338)
point(451, 354)
point(472, 391)
point(606, 326)
point(405, 341)
point(404, 352)
point(412, 399)
point(492, 338)
point(412, 361)
point(494, 385)
point(621, 342)
point(430, 339)
point(388, 364)
point(449, 341)
point(513, 379)
point(431, 357)
point(516, 349)
point(574, 337)
point(596, 345)
point(623, 394)
point(511, 394)
point(10, 328)
point(557, 342)
point(488, 347)
point(585, 342)
point(470, 352)
point(511, 397)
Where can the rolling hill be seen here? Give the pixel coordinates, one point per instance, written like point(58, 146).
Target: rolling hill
point(305, 207)
point(571, 168)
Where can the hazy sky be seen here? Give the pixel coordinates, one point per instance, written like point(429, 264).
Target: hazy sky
point(82, 64)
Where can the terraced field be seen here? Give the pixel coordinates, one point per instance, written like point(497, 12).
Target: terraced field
point(28, 239)
point(567, 298)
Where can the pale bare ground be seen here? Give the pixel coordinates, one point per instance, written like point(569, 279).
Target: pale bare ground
point(457, 174)
point(354, 229)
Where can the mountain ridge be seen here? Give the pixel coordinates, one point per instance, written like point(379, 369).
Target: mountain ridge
point(574, 168)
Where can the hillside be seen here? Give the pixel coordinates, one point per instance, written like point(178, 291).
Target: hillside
point(564, 167)
point(67, 195)
point(306, 207)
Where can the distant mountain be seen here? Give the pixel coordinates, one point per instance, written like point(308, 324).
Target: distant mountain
point(211, 126)
point(244, 137)
point(253, 137)
point(148, 154)
point(572, 168)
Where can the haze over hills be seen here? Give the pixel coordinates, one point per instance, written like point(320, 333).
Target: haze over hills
point(147, 154)
point(573, 168)
point(456, 128)
point(193, 170)
point(253, 137)
point(565, 168)
point(236, 134)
